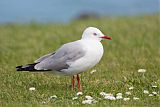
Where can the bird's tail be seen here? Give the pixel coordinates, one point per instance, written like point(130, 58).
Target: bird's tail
point(29, 67)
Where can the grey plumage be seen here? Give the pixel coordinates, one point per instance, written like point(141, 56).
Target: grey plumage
point(68, 53)
point(44, 57)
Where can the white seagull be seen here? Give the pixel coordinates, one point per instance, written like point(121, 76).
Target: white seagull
point(72, 58)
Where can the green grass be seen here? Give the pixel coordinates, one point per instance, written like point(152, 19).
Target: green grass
point(135, 45)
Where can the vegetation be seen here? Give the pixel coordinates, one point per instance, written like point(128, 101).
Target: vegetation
point(135, 45)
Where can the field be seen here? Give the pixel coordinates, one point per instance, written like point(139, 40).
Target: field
point(135, 45)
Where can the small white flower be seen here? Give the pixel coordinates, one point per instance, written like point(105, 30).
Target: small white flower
point(103, 94)
point(142, 70)
point(32, 88)
point(43, 102)
point(119, 94)
point(93, 71)
point(128, 93)
point(107, 96)
point(154, 86)
point(126, 99)
point(155, 93)
point(146, 92)
point(150, 95)
point(131, 88)
point(87, 102)
point(79, 93)
point(53, 97)
point(119, 97)
point(110, 97)
point(135, 98)
point(89, 97)
point(74, 98)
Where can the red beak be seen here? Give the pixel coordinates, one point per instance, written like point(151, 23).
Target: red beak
point(106, 37)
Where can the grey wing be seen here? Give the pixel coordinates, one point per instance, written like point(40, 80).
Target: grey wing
point(44, 57)
point(67, 53)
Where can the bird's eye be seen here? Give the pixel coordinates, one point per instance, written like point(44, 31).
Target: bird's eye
point(95, 34)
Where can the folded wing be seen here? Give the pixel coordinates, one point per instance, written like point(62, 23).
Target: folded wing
point(62, 58)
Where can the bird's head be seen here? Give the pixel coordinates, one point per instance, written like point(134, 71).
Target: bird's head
point(95, 34)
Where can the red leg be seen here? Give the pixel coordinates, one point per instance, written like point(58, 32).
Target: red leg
point(73, 82)
point(79, 83)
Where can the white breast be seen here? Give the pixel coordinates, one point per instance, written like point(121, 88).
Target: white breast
point(94, 52)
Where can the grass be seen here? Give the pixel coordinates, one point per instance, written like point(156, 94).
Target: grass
point(135, 45)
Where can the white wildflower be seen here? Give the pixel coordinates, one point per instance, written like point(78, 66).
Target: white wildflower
point(142, 70)
point(32, 88)
point(79, 93)
point(110, 97)
point(131, 88)
point(53, 97)
point(154, 93)
point(154, 86)
point(119, 97)
point(89, 97)
point(126, 99)
point(74, 98)
point(150, 95)
point(119, 94)
point(128, 93)
point(103, 94)
point(135, 98)
point(93, 71)
point(146, 92)
point(87, 102)
point(43, 102)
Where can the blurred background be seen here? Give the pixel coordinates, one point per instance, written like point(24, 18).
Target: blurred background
point(32, 28)
point(45, 11)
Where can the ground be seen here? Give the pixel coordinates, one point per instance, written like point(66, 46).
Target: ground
point(135, 45)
